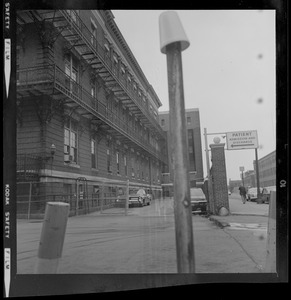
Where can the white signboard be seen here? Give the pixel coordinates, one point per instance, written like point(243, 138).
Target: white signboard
point(242, 140)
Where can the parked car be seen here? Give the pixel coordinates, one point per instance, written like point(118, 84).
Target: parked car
point(267, 193)
point(252, 193)
point(149, 199)
point(198, 200)
point(140, 198)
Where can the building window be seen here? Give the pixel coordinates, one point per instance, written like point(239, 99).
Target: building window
point(188, 120)
point(158, 173)
point(155, 115)
point(73, 14)
point(132, 166)
point(191, 150)
point(137, 166)
point(163, 122)
point(117, 162)
point(93, 32)
point(106, 45)
point(93, 89)
point(109, 168)
point(71, 70)
point(93, 154)
point(70, 142)
point(125, 164)
point(115, 63)
point(122, 69)
point(115, 59)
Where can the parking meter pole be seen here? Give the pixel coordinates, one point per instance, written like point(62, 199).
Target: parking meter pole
point(182, 201)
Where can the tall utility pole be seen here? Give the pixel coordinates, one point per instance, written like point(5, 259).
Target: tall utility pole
point(257, 174)
point(242, 174)
point(173, 41)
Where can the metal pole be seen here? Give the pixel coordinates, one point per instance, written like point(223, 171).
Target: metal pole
point(126, 196)
point(210, 190)
point(257, 174)
point(182, 202)
point(77, 199)
point(102, 195)
point(29, 201)
point(242, 178)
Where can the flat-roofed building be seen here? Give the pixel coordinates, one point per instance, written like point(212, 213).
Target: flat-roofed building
point(194, 148)
point(87, 117)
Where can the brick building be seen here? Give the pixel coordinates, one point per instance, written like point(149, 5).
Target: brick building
point(249, 178)
point(87, 117)
point(267, 174)
point(194, 148)
point(267, 169)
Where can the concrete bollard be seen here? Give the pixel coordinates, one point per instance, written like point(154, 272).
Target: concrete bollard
point(52, 237)
point(271, 236)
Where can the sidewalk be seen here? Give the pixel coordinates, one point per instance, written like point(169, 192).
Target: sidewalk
point(144, 242)
point(247, 225)
point(251, 212)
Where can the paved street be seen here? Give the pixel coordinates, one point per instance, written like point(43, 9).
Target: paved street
point(144, 241)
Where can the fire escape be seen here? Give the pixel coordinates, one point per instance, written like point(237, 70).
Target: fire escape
point(53, 81)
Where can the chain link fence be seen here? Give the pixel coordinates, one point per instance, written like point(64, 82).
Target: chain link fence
point(84, 197)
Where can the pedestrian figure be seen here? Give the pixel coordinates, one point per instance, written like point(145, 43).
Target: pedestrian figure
point(242, 192)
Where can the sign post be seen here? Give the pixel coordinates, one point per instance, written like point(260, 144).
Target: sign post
point(126, 196)
point(242, 175)
point(248, 139)
point(258, 177)
point(173, 40)
point(239, 140)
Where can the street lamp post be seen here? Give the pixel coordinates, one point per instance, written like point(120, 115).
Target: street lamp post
point(173, 40)
point(257, 175)
point(242, 175)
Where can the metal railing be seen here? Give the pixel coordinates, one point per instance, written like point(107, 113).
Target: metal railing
point(33, 196)
point(28, 166)
point(100, 51)
point(29, 206)
point(65, 84)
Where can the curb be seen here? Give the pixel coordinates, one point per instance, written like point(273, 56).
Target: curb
point(248, 214)
point(220, 224)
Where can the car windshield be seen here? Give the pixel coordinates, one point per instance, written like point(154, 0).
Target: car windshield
point(141, 192)
point(196, 193)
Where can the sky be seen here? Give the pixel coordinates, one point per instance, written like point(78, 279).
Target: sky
point(228, 72)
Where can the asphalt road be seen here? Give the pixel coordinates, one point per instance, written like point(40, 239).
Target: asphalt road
point(141, 242)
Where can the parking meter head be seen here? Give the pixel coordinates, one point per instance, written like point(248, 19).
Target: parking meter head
point(171, 31)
